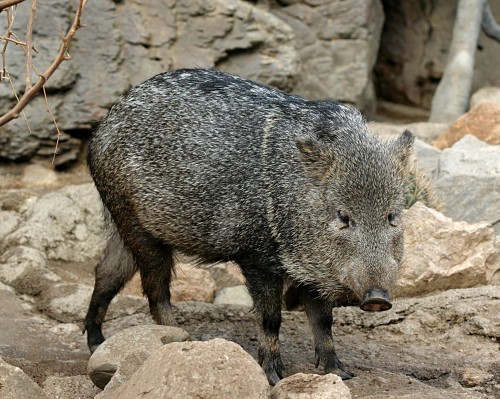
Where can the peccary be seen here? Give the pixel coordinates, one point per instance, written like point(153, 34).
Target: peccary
point(222, 168)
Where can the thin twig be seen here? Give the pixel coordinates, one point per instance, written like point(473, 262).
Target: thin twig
point(17, 98)
point(10, 21)
point(47, 106)
point(61, 56)
point(29, 35)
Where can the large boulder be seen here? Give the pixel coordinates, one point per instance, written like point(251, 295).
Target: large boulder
point(468, 181)
point(117, 358)
point(65, 224)
point(14, 384)
point(482, 121)
point(216, 369)
point(337, 43)
point(441, 254)
point(316, 49)
point(485, 94)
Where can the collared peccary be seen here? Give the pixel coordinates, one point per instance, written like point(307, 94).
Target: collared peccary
point(222, 168)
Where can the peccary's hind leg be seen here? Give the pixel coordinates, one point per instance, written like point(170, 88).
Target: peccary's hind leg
point(266, 292)
point(114, 270)
point(319, 314)
point(155, 262)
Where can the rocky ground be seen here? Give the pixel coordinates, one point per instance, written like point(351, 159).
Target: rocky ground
point(444, 345)
point(440, 346)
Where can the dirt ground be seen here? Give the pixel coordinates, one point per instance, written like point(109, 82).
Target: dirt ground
point(423, 348)
point(441, 346)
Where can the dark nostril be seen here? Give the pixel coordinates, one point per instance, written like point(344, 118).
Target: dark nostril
point(375, 300)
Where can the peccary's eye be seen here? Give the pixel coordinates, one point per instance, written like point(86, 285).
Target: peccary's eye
point(393, 219)
point(343, 218)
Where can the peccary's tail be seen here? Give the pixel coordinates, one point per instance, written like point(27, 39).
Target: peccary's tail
point(116, 268)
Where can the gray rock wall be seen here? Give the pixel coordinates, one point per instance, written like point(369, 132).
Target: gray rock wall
point(314, 48)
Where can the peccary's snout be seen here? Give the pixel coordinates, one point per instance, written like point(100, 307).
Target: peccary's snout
point(375, 300)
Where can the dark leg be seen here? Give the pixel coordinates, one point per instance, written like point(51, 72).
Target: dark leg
point(155, 262)
point(266, 291)
point(319, 314)
point(114, 270)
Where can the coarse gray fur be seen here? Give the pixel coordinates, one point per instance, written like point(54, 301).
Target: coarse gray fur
point(222, 168)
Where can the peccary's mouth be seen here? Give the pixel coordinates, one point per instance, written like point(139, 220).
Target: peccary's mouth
point(375, 300)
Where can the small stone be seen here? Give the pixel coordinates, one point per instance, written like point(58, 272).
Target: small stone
point(305, 386)
point(192, 284)
point(472, 377)
point(226, 275)
point(237, 295)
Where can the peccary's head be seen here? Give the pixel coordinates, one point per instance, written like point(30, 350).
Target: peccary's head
point(356, 203)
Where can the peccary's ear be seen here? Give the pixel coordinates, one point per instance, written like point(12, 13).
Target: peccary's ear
point(403, 148)
point(316, 156)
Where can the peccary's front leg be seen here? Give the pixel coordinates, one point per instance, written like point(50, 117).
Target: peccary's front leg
point(266, 292)
point(319, 314)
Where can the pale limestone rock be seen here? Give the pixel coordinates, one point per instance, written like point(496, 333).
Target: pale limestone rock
point(305, 386)
point(441, 254)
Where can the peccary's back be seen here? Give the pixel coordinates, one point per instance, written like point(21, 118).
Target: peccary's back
point(190, 156)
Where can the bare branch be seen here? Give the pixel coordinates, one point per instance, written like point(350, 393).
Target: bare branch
point(10, 21)
point(62, 55)
point(490, 25)
point(47, 107)
point(29, 34)
point(8, 3)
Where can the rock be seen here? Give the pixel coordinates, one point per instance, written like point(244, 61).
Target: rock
point(468, 181)
point(473, 377)
point(134, 286)
point(14, 384)
point(226, 275)
point(237, 295)
point(68, 302)
point(192, 284)
point(337, 43)
point(8, 222)
point(425, 131)
point(65, 224)
point(24, 269)
point(482, 121)
point(217, 369)
point(441, 254)
point(318, 50)
point(38, 175)
point(427, 158)
point(397, 386)
point(65, 302)
point(231, 34)
point(17, 201)
point(36, 343)
point(305, 386)
point(69, 387)
point(485, 94)
point(117, 358)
